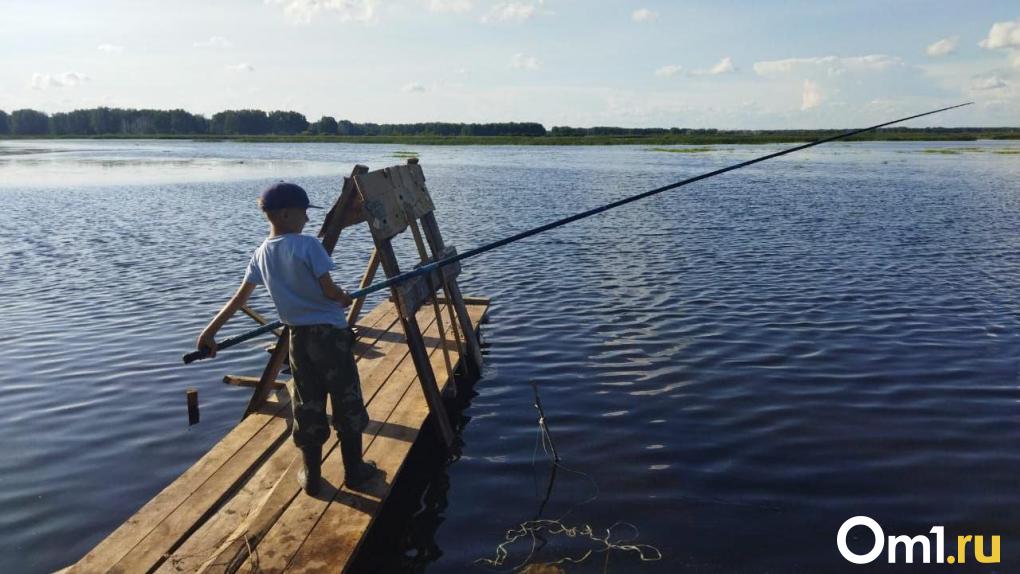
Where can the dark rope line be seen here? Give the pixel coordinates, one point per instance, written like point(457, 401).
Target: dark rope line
point(425, 269)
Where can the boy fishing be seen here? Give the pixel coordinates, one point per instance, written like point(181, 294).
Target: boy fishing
point(295, 270)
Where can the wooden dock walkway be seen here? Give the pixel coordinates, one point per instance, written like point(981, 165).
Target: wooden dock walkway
point(240, 509)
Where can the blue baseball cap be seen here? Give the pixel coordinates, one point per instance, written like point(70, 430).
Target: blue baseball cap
point(283, 195)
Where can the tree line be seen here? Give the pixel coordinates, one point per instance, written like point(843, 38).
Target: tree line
point(145, 122)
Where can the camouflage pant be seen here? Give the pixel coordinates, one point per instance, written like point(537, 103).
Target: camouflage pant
point(322, 361)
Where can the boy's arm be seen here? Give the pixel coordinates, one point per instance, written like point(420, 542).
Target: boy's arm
point(206, 339)
point(333, 291)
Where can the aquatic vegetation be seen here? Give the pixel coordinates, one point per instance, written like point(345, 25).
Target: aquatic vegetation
point(959, 150)
point(401, 153)
point(681, 149)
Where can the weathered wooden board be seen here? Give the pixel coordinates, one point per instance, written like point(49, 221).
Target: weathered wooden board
point(283, 540)
point(336, 536)
point(243, 492)
point(411, 190)
point(113, 548)
point(415, 292)
point(346, 211)
point(255, 432)
point(392, 197)
point(205, 542)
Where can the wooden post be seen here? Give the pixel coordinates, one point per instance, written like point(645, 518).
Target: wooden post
point(366, 280)
point(435, 301)
point(258, 318)
point(435, 239)
point(192, 406)
point(416, 344)
point(269, 373)
point(345, 212)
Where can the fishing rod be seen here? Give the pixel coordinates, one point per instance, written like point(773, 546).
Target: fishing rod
point(430, 267)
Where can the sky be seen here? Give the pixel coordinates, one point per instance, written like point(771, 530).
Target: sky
point(689, 64)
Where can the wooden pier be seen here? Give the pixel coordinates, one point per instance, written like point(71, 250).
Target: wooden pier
point(240, 507)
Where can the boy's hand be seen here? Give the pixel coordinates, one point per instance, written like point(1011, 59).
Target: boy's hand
point(345, 299)
point(206, 341)
point(333, 291)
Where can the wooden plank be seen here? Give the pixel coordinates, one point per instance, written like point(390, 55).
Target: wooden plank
point(106, 554)
point(272, 416)
point(411, 194)
point(283, 538)
point(385, 214)
point(435, 238)
point(415, 343)
point(244, 381)
point(417, 291)
point(179, 524)
point(346, 211)
point(337, 534)
point(272, 369)
point(427, 378)
point(223, 526)
point(420, 244)
point(366, 280)
point(235, 551)
point(469, 300)
point(258, 318)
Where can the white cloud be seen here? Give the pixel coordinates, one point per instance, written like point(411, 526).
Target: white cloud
point(725, 66)
point(302, 11)
point(988, 83)
point(833, 65)
point(512, 11)
point(455, 6)
point(110, 48)
point(525, 62)
point(810, 95)
point(644, 15)
point(241, 67)
point(413, 88)
point(213, 42)
point(65, 80)
point(943, 47)
point(669, 71)
point(1003, 35)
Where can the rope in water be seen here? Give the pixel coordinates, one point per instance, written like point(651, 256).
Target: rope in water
point(429, 268)
point(533, 529)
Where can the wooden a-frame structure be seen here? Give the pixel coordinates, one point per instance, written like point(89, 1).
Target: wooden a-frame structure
point(390, 201)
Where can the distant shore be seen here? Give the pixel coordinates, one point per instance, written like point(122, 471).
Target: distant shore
point(721, 137)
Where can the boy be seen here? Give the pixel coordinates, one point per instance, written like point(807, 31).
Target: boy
point(295, 269)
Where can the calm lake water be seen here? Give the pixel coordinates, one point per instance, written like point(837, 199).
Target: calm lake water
point(739, 365)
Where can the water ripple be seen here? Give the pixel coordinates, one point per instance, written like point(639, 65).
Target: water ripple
point(741, 364)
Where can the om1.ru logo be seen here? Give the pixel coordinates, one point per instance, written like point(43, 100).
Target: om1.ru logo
point(910, 545)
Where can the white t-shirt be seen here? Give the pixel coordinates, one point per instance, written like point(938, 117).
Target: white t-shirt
point(289, 266)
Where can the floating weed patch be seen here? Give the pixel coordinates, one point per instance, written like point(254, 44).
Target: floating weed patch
point(680, 149)
point(954, 150)
point(960, 150)
point(405, 154)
